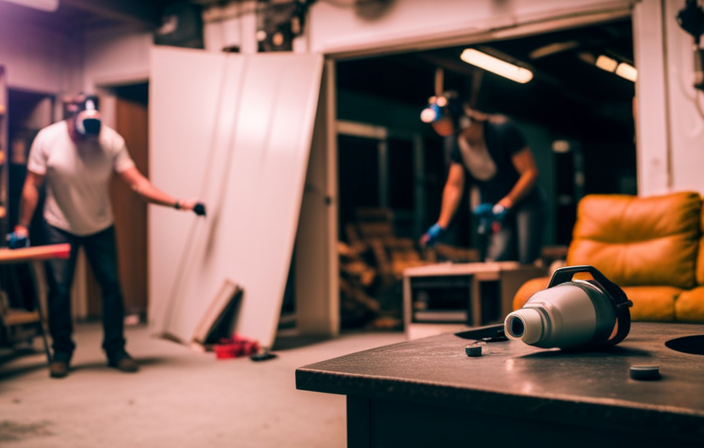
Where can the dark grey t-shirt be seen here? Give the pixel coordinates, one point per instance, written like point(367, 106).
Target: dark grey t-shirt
point(503, 140)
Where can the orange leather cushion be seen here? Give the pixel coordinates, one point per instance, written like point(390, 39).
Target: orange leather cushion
point(527, 290)
point(652, 303)
point(690, 306)
point(638, 241)
point(700, 258)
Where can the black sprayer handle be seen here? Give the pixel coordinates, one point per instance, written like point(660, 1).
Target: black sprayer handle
point(565, 274)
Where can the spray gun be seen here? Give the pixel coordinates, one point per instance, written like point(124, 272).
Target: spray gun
point(490, 217)
point(573, 314)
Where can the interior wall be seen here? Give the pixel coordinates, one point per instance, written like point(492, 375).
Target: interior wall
point(686, 120)
point(651, 109)
point(233, 26)
point(40, 59)
point(670, 126)
point(116, 57)
point(410, 24)
point(316, 257)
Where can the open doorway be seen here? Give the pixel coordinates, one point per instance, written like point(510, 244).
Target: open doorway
point(576, 116)
point(130, 211)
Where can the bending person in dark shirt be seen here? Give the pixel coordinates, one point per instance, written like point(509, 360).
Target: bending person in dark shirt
point(491, 152)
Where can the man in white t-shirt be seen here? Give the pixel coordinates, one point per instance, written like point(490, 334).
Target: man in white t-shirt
point(75, 159)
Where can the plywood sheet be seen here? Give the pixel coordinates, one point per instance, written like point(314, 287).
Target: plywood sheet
point(243, 147)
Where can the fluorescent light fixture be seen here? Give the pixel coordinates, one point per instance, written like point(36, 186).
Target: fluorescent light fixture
point(627, 71)
point(495, 65)
point(622, 69)
point(44, 5)
point(587, 57)
point(554, 48)
point(606, 63)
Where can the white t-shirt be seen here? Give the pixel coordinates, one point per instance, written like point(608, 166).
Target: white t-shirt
point(77, 176)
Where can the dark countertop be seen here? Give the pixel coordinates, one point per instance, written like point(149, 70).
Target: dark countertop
point(512, 377)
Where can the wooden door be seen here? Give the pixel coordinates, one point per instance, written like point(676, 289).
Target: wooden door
point(130, 210)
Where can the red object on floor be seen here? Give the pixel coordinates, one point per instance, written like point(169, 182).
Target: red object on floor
point(235, 347)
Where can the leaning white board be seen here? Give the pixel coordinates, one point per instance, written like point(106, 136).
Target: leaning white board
point(235, 131)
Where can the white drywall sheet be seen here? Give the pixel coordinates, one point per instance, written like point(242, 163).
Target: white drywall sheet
point(235, 131)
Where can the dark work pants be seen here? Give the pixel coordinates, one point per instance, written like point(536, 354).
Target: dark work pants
point(101, 252)
point(521, 235)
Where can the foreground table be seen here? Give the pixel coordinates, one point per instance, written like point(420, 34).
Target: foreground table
point(429, 393)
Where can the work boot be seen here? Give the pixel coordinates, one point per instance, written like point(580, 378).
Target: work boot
point(123, 362)
point(58, 369)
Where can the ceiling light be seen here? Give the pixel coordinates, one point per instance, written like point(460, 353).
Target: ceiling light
point(606, 63)
point(494, 65)
point(627, 71)
point(44, 5)
point(554, 48)
point(587, 57)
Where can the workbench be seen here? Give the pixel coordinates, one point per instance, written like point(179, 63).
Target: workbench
point(19, 324)
point(448, 297)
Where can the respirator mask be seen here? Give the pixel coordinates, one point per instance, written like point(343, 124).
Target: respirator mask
point(87, 117)
point(448, 108)
point(573, 314)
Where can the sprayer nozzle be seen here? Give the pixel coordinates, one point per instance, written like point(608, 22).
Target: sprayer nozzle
point(525, 324)
point(517, 327)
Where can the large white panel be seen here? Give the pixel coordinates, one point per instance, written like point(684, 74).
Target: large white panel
point(252, 185)
point(653, 147)
point(183, 111)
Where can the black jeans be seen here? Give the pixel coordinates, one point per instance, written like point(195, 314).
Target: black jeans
point(101, 252)
point(521, 235)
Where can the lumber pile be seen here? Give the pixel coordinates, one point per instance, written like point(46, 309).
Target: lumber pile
point(372, 261)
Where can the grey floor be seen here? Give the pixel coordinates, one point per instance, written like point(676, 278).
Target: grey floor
point(179, 398)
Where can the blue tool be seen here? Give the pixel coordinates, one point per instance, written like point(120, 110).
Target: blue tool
point(199, 209)
point(16, 240)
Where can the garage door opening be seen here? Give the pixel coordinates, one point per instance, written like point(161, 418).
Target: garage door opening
point(576, 113)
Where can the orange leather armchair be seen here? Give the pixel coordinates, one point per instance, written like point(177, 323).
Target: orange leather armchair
point(650, 246)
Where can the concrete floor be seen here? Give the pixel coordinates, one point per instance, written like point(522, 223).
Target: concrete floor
point(179, 398)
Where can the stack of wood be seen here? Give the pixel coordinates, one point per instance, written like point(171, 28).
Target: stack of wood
point(357, 278)
point(372, 262)
point(371, 269)
point(391, 254)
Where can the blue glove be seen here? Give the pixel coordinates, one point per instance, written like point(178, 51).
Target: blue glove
point(433, 234)
point(485, 210)
point(485, 213)
point(16, 240)
point(499, 212)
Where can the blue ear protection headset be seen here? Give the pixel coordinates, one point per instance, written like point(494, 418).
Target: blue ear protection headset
point(444, 106)
point(88, 118)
